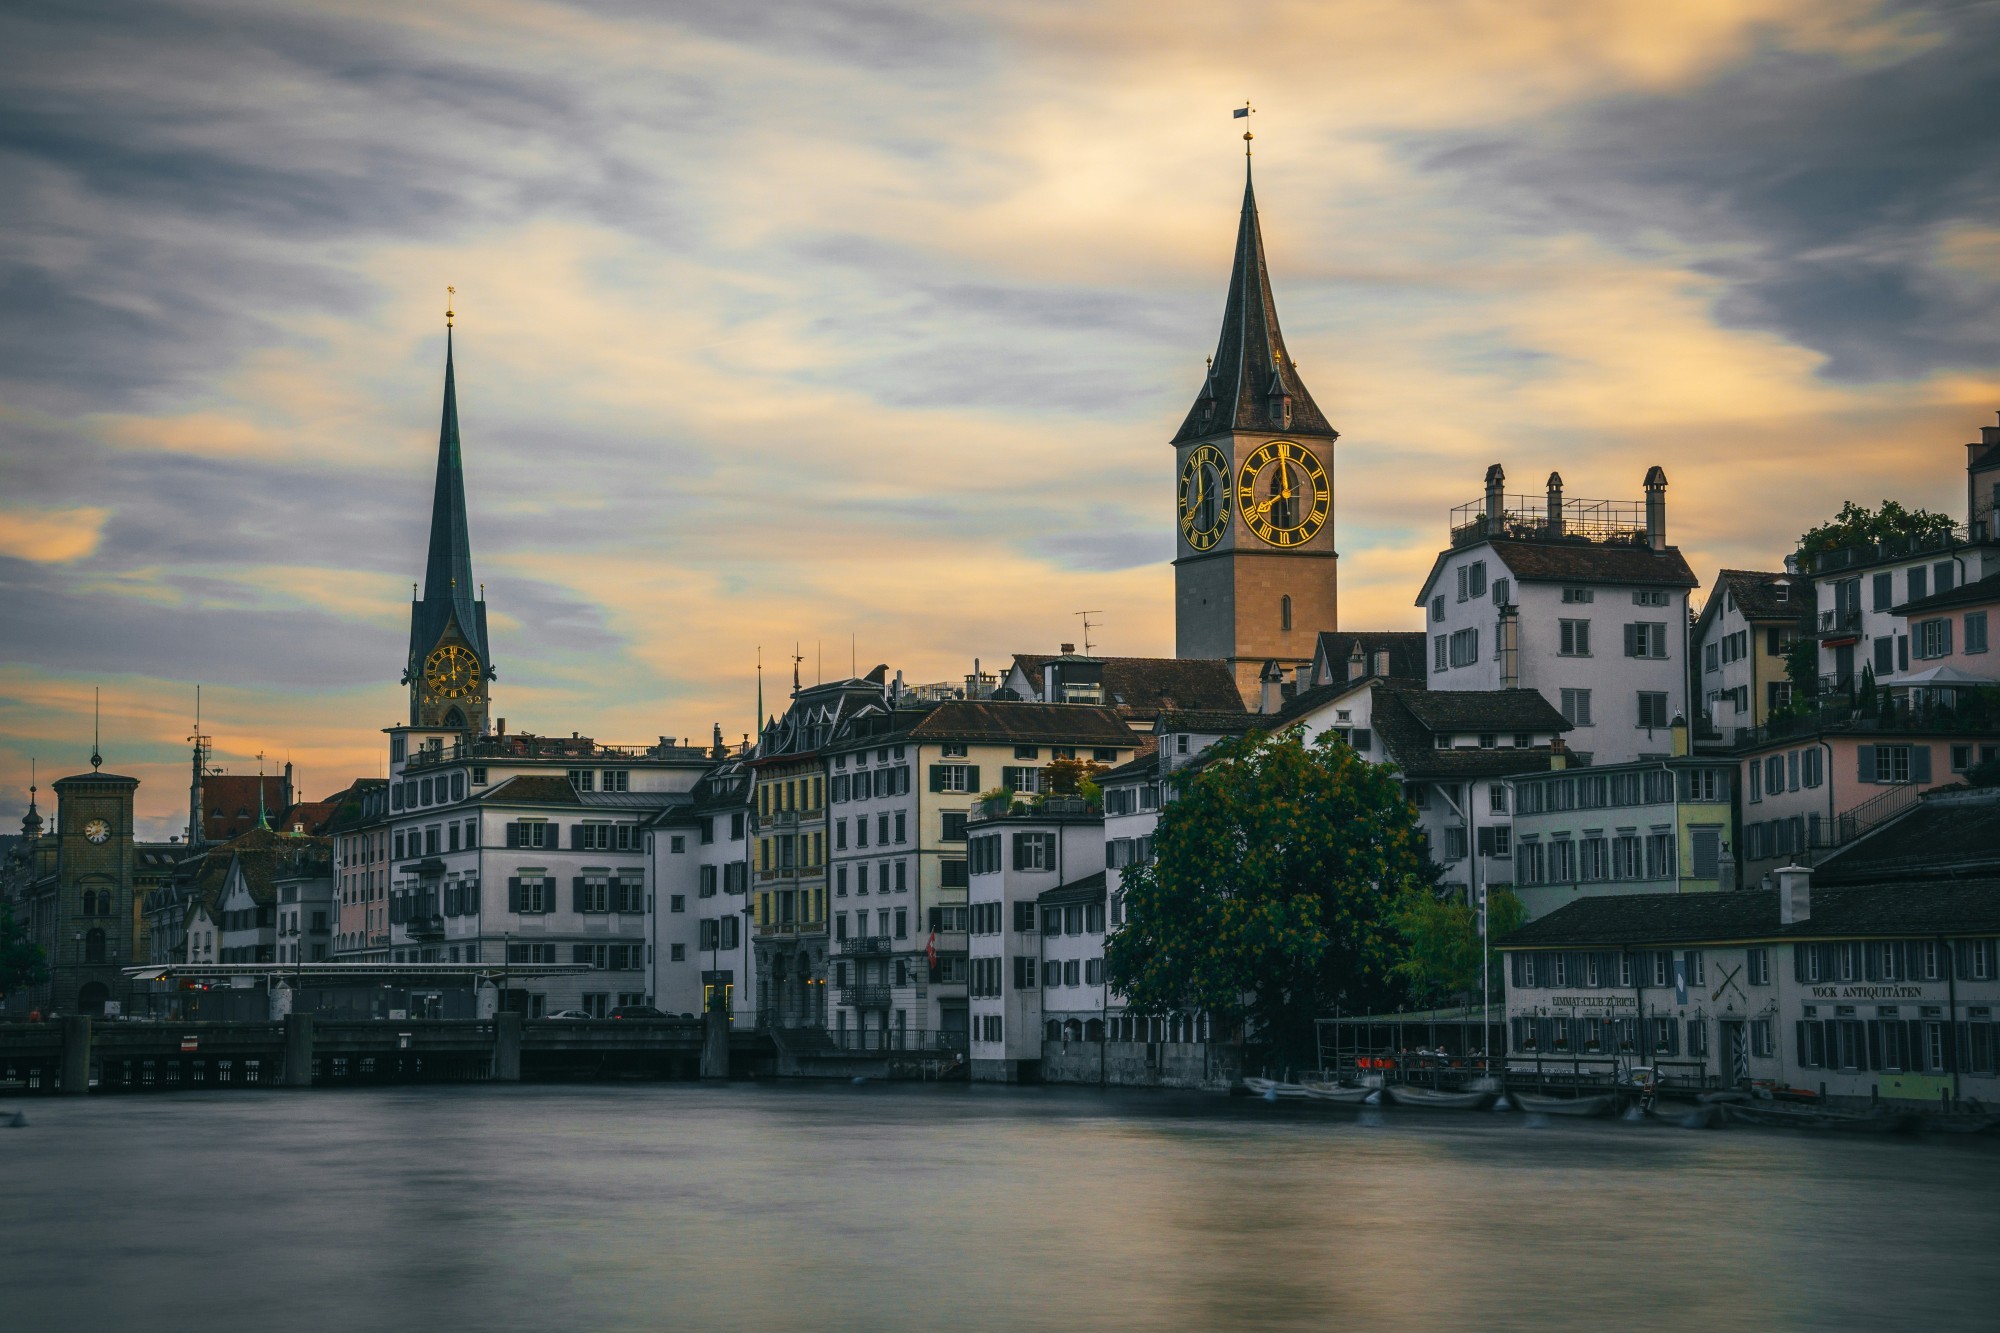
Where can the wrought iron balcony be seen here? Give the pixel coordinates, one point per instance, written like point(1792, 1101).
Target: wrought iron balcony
point(867, 946)
point(870, 996)
point(1843, 622)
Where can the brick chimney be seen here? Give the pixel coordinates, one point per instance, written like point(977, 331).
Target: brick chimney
point(1656, 507)
point(1496, 498)
point(1794, 894)
point(1273, 679)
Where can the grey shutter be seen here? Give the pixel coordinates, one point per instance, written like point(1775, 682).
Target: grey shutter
point(1920, 763)
point(1020, 851)
point(937, 777)
point(972, 777)
point(1874, 1045)
point(513, 834)
point(576, 836)
point(576, 894)
point(1486, 842)
point(1363, 739)
point(1631, 641)
point(1867, 759)
point(514, 891)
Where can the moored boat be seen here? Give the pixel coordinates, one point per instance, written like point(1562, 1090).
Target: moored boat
point(1881, 1121)
point(1473, 1099)
point(1351, 1094)
point(1592, 1105)
point(1270, 1087)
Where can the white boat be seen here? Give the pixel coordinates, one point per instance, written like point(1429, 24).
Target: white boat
point(1596, 1104)
point(1352, 1094)
point(1268, 1087)
point(1405, 1094)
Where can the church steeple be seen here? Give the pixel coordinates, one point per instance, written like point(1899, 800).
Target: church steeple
point(1253, 381)
point(450, 617)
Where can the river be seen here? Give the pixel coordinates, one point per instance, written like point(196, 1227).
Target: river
point(911, 1207)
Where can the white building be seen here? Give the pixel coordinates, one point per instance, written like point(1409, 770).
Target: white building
point(1580, 600)
point(703, 954)
point(1739, 645)
point(1018, 852)
point(531, 850)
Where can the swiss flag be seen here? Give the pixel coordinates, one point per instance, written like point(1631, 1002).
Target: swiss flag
point(930, 955)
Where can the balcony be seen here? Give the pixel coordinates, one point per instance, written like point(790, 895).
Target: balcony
point(790, 930)
point(1843, 622)
point(868, 946)
point(869, 996)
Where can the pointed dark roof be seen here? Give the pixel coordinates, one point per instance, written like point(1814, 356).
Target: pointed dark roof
point(1250, 358)
point(448, 587)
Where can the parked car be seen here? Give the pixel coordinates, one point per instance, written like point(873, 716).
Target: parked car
point(637, 1011)
point(567, 1013)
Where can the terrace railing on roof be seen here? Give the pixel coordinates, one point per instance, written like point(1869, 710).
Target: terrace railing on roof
point(1894, 548)
point(1526, 518)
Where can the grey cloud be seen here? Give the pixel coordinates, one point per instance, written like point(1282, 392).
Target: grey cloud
point(1832, 179)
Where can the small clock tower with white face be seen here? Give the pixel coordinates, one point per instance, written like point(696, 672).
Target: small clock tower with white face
point(1254, 564)
point(449, 670)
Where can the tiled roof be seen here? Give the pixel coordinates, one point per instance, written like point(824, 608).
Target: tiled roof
point(1145, 686)
point(1951, 831)
point(1952, 907)
point(230, 803)
point(1756, 594)
point(531, 789)
point(1406, 650)
point(634, 800)
point(1089, 889)
point(1142, 769)
point(1481, 710)
point(1059, 724)
point(1581, 562)
point(1223, 722)
point(1965, 594)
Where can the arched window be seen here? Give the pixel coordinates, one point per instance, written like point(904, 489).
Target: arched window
point(1285, 612)
point(93, 946)
point(1094, 1030)
point(90, 902)
point(1053, 1030)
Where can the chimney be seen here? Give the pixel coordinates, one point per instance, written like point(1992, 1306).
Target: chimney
point(1558, 755)
point(1357, 662)
point(1496, 498)
point(1069, 648)
point(1656, 508)
point(1677, 733)
point(1273, 679)
point(715, 746)
point(1555, 508)
point(502, 729)
point(1794, 894)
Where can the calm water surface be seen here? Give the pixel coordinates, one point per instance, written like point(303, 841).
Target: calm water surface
point(886, 1207)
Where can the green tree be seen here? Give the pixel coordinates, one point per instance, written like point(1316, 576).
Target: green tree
point(1858, 525)
point(1440, 932)
point(1268, 902)
point(21, 960)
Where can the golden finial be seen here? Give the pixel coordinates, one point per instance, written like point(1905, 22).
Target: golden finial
point(1244, 113)
point(449, 293)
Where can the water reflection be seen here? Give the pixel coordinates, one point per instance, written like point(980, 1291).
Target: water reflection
point(907, 1207)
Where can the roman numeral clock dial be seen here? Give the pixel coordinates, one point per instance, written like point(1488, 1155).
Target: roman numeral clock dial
point(1283, 494)
point(1204, 497)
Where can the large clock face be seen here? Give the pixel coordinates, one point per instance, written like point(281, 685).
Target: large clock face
point(1283, 494)
point(1204, 497)
point(97, 831)
point(451, 672)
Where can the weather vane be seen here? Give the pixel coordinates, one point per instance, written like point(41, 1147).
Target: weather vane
point(1244, 112)
point(449, 293)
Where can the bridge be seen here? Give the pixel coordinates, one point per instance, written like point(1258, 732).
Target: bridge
point(79, 1054)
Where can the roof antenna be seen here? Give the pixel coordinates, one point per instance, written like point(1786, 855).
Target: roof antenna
point(1088, 627)
point(96, 728)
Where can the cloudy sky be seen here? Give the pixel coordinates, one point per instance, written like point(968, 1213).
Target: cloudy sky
point(831, 322)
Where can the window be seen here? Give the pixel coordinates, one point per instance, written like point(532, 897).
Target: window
point(1437, 607)
point(1285, 612)
point(954, 825)
point(1575, 635)
point(1503, 592)
point(1652, 709)
point(1034, 851)
point(1440, 652)
point(1464, 647)
point(953, 777)
point(1920, 582)
point(1496, 798)
point(583, 779)
point(1576, 707)
point(1931, 638)
point(1646, 638)
point(1895, 763)
point(1579, 596)
point(1651, 597)
point(1975, 632)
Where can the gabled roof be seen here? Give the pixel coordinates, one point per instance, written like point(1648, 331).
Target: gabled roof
point(1144, 768)
point(1756, 593)
point(1406, 649)
point(263, 857)
point(1147, 686)
point(1250, 357)
point(1223, 722)
point(1889, 911)
point(1579, 562)
point(231, 803)
point(1975, 593)
point(531, 789)
point(1058, 724)
point(1410, 737)
point(1462, 711)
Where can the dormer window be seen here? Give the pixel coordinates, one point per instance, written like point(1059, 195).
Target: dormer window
point(1442, 740)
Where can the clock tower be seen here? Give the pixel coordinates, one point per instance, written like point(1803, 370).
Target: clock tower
point(1254, 566)
point(449, 671)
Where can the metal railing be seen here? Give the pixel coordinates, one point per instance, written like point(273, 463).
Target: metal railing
point(853, 1041)
point(1840, 620)
point(865, 996)
point(863, 946)
point(1892, 548)
point(1526, 518)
